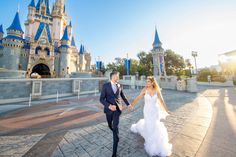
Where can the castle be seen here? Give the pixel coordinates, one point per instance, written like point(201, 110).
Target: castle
point(47, 47)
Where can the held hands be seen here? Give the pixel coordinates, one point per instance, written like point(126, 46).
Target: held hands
point(112, 107)
point(131, 107)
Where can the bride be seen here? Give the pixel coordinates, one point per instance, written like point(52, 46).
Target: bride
point(151, 128)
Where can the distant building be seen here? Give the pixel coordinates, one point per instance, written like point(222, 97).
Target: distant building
point(158, 57)
point(227, 62)
point(47, 47)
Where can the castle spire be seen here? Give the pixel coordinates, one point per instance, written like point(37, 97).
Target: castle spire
point(81, 49)
point(157, 43)
point(1, 29)
point(32, 4)
point(16, 23)
point(65, 35)
point(73, 42)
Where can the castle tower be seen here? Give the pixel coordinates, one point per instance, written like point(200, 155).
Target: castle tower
point(158, 57)
point(29, 24)
point(65, 52)
point(13, 44)
point(59, 19)
point(88, 59)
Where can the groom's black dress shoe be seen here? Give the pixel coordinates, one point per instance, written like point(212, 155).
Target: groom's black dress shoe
point(113, 155)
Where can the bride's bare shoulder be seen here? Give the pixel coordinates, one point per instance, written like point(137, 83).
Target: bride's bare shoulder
point(143, 91)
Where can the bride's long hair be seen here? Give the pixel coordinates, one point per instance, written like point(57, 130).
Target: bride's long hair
point(154, 83)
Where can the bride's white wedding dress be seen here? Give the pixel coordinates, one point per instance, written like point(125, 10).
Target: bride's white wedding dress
point(152, 129)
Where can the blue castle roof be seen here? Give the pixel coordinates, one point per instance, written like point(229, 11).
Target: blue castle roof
point(81, 49)
point(65, 35)
point(32, 3)
point(157, 42)
point(16, 24)
point(1, 29)
point(70, 24)
point(40, 30)
point(46, 3)
point(73, 41)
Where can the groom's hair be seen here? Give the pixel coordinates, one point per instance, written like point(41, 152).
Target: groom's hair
point(113, 73)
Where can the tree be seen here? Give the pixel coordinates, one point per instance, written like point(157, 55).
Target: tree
point(174, 63)
point(145, 63)
point(134, 66)
point(118, 65)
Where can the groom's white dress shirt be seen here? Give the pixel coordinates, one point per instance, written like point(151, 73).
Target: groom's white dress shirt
point(114, 87)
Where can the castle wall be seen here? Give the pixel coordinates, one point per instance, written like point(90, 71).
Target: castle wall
point(11, 58)
point(48, 88)
point(24, 59)
point(1, 58)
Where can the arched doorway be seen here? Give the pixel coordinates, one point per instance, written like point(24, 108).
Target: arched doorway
point(42, 69)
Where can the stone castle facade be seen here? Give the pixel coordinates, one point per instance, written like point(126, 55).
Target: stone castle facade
point(47, 46)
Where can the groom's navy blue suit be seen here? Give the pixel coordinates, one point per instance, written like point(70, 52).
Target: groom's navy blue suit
point(108, 97)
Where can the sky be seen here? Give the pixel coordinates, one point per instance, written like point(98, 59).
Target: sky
point(113, 28)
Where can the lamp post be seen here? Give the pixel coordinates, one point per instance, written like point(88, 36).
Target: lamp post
point(194, 54)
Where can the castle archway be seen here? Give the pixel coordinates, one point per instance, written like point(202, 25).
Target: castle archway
point(42, 69)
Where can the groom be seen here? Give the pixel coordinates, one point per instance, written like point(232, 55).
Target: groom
point(111, 95)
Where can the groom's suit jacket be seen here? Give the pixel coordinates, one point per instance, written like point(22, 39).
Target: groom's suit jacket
point(109, 97)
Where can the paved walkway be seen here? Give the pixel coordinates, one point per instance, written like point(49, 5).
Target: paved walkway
point(79, 129)
point(220, 140)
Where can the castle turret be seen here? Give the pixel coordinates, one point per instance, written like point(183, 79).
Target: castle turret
point(65, 51)
point(29, 24)
point(59, 19)
point(158, 57)
point(81, 58)
point(1, 37)
point(13, 43)
point(1, 32)
point(87, 58)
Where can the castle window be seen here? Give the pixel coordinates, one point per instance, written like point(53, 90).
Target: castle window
point(37, 50)
point(48, 51)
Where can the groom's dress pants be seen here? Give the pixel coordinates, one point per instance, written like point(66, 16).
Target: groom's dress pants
point(113, 122)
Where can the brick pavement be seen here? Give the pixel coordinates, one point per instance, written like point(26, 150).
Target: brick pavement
point(93, 138)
